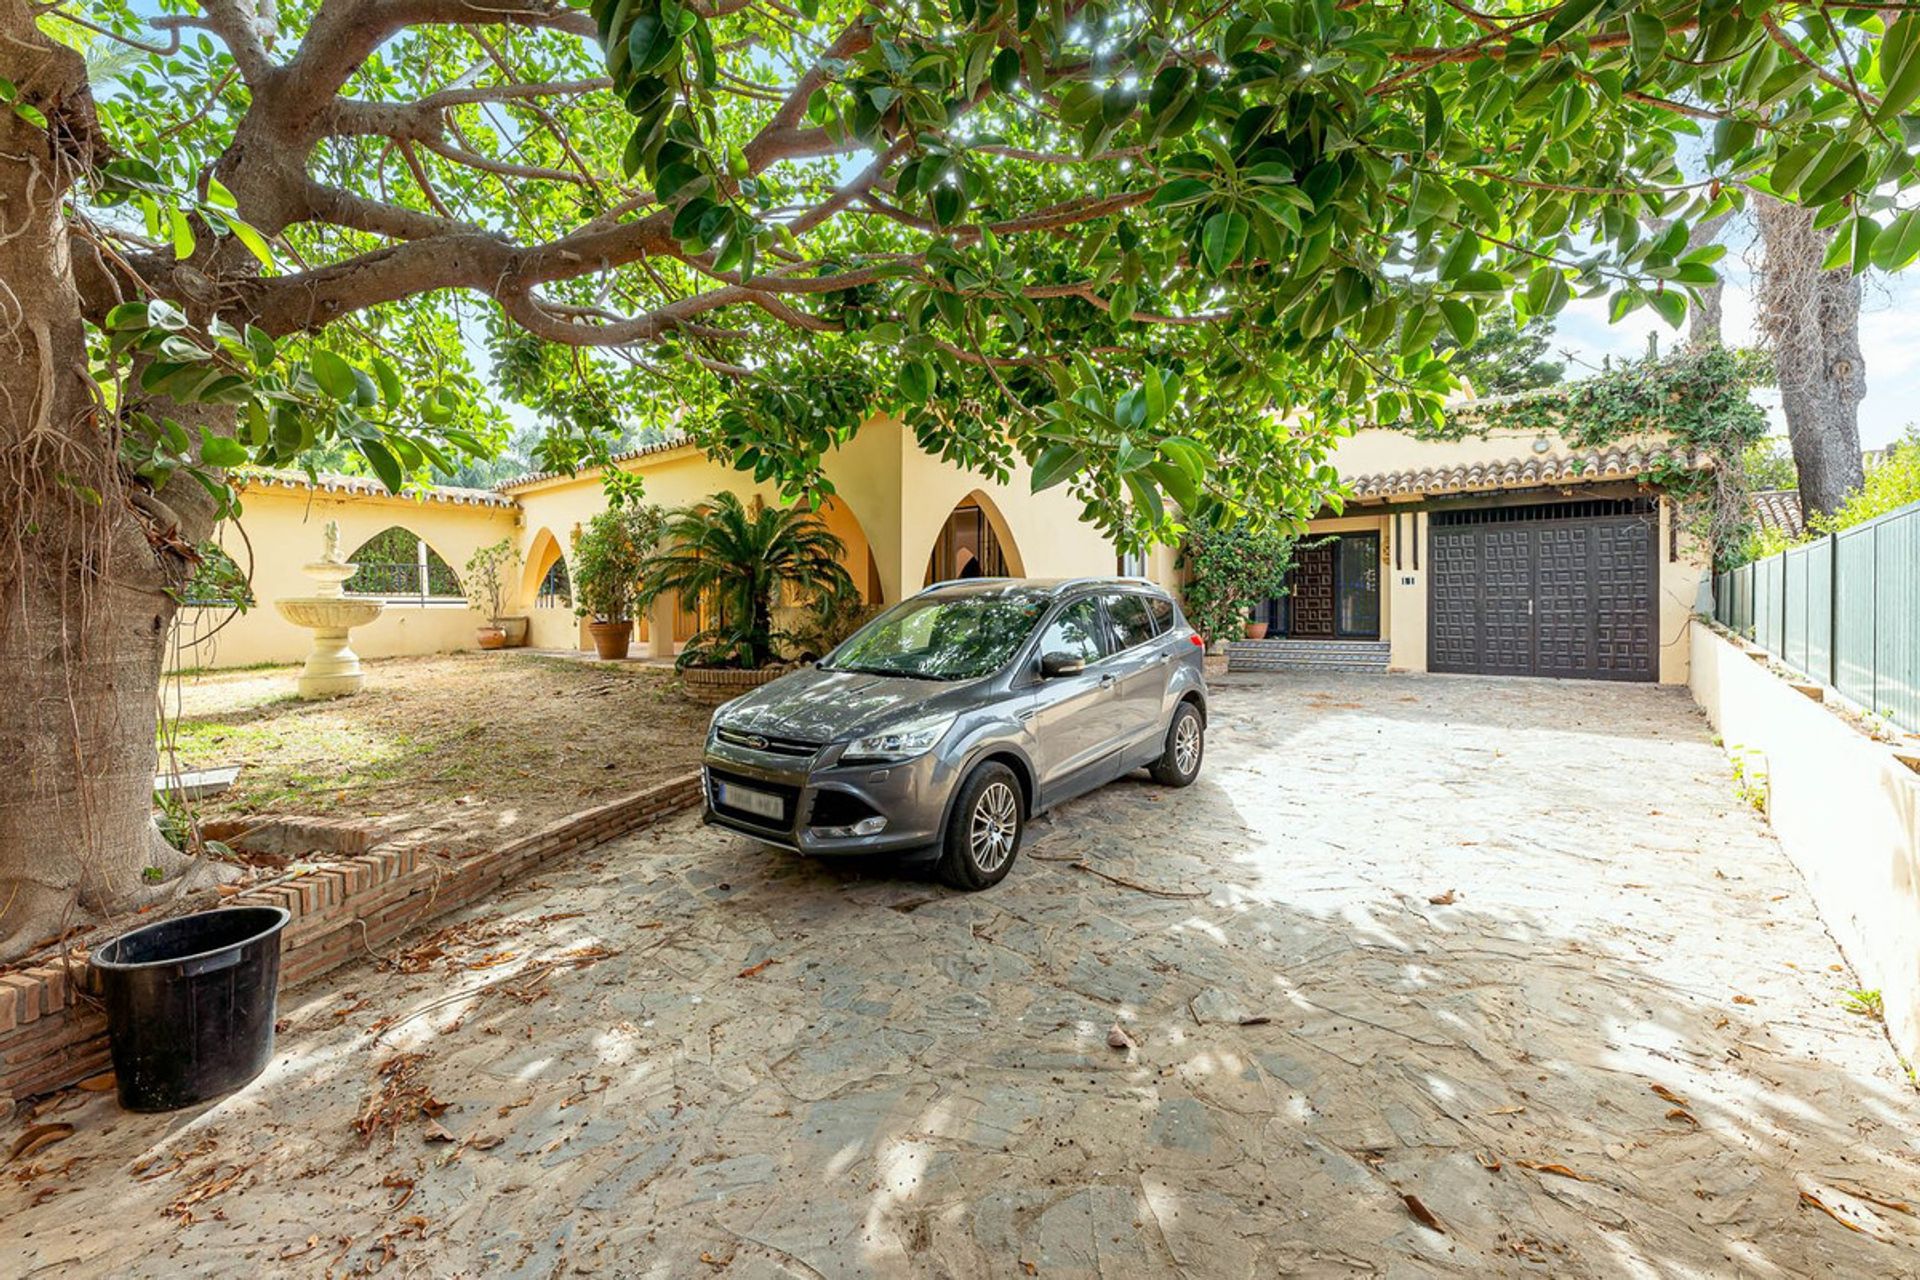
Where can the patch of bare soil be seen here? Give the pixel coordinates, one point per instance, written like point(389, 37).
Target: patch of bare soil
point(483, 746)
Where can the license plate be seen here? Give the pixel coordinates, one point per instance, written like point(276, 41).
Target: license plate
point(747, 800)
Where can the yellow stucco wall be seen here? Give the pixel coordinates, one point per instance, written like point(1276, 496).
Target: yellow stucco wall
point(891, 499)
point(280, 529)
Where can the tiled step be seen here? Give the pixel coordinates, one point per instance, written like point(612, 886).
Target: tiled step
point(1307, 655)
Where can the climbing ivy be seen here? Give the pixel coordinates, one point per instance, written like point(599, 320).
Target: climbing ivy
point(1697, 398)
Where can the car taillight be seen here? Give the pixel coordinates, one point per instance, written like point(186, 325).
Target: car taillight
point(1195, 637)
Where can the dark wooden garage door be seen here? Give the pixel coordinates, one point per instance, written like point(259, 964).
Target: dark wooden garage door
point(1555, 589)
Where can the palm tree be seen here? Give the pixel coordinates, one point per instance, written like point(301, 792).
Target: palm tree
point(739, 560)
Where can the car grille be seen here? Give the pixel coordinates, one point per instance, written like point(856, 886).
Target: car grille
point(789, 800)
point(797, 748)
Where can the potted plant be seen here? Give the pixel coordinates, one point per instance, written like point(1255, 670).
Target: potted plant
point(486, 587)
point(741, 560)
point(609, 557)
point(1230, 573)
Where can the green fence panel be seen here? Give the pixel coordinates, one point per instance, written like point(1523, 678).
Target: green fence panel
point(1793, 608)
point(1896, 638)
point(1819, 625)
point(1853, 613)
point(1766, 603)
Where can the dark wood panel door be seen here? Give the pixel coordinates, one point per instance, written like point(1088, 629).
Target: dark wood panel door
point(1572, 598)
point(1453, 616)
point(1563, 601)
point(1310, 595)
point(1626, 644)
point(1506, 600)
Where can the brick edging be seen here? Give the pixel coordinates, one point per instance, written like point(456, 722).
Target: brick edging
point(52, 1037)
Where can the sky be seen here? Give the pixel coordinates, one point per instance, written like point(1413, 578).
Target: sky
point(1889, 339)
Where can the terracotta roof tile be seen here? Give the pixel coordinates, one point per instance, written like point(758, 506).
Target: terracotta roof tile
point(1779, 509)
point(367, 487)
point(1521, 473)
point(672, 442)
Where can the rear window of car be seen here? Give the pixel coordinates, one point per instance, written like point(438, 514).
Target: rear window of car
point(1129, 621)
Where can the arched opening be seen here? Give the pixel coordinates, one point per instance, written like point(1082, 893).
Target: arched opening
point(546, 581)
point(397, 564)
point(974, 543)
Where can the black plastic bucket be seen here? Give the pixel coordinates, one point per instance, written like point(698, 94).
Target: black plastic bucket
point(190, 1004)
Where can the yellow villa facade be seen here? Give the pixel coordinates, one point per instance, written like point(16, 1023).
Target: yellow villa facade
point(1550, 561)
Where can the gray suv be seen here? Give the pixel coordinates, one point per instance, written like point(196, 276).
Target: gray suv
point(941, 726)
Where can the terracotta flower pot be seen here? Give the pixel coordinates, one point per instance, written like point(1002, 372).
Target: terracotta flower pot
point(611, 640)
point(491, 637)
point(1256, 631)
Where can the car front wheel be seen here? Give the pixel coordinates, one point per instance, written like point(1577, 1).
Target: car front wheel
point(984, 829)
point(1179, 763)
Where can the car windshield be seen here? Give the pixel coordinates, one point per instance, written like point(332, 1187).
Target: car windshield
point(942, 637)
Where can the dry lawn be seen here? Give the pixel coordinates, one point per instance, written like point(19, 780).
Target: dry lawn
point(481, 744)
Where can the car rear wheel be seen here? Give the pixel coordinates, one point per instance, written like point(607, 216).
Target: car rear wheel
point(984, 829)
point(1179, 763)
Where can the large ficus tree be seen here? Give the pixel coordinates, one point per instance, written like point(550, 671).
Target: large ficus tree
point(1159, 251)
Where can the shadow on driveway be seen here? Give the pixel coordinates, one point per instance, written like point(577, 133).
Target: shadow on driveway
point(1474, 977)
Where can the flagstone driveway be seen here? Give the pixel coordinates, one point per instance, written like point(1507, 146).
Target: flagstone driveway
point(1426, 976)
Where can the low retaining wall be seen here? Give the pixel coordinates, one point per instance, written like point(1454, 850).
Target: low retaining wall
point(52, 1036)
point(1845, 808)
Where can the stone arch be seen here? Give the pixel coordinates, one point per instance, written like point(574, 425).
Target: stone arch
point(400, 564)
point(974, 541)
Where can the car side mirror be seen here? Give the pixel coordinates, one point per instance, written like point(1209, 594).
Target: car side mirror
point(1061, 663)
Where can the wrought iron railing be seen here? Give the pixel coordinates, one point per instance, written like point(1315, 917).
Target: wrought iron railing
point(1843, 610)
point(404, 581)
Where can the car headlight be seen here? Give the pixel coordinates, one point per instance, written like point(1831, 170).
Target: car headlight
point(898, 742)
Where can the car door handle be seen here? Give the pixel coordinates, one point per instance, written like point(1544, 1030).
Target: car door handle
point(1106, 680)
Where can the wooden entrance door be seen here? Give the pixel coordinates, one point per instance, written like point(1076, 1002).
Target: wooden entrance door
point(1310, 593)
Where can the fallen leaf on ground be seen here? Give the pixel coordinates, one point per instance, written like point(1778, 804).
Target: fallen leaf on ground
point(486, 1141)
point(1745, 1000)
point(1490, 1163)
point(1558, 1170)
point(1681, 1113)
point(38, 1137)
point(1870, 1226)
point(1506, 1111)
point(755, 970)
point(1422, 1214)
point(1446, 899)
point(1899, 1206)
point(1117, 1038)
point(1668, 1094)
point(718, 1264)
point(437, 1132)
point(398, 1182)
point(98, 1084)
point(1029, 1268)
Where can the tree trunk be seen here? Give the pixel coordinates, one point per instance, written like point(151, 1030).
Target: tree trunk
point(1811, 318)
point(87, 558)
point(1704, 323)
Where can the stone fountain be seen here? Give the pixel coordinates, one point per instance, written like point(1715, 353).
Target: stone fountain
point(333, 669)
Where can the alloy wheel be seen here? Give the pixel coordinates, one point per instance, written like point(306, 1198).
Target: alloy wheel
point(1186, 744)
point(994, 827)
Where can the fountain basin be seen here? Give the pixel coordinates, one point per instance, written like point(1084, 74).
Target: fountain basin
point(333, 668)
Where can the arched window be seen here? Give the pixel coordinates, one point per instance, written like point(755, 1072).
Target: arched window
point(556, 591)
point(398, 564)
